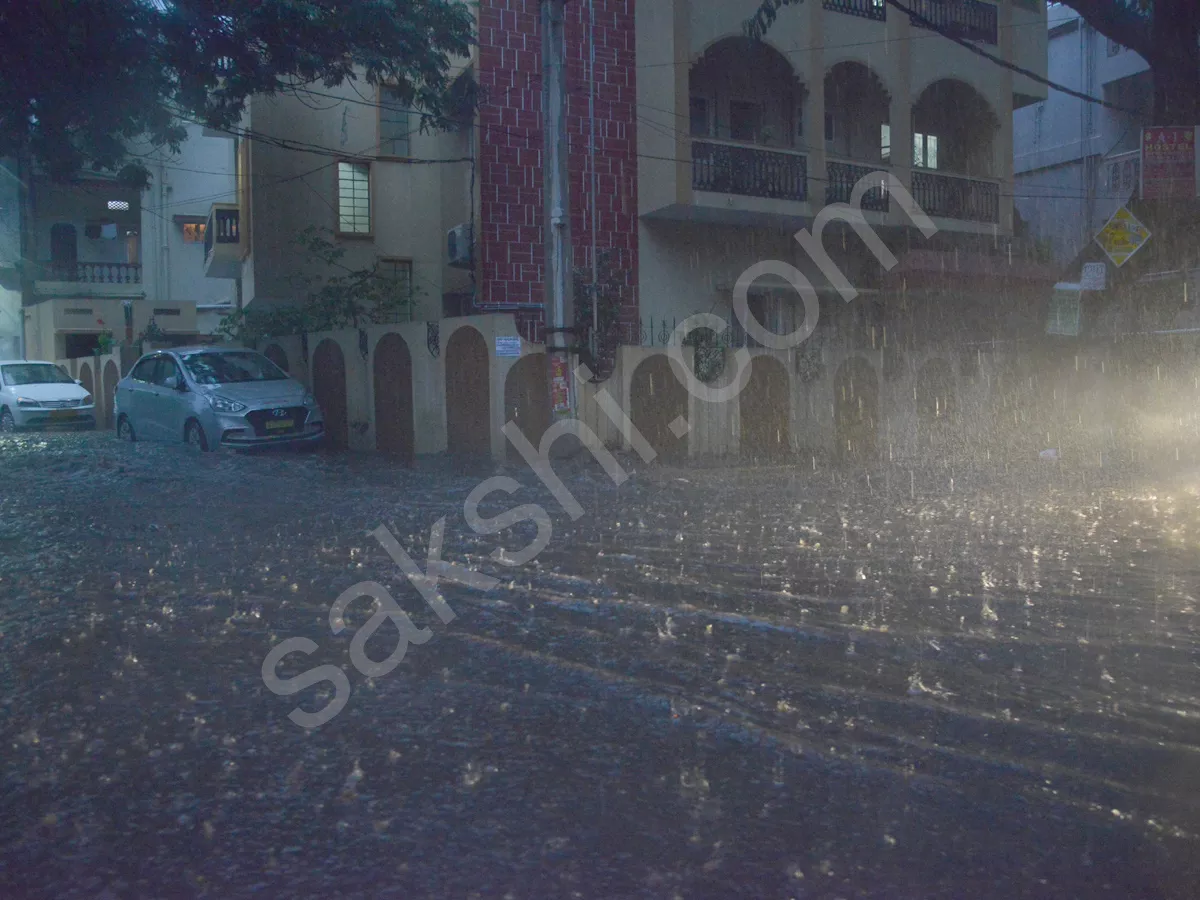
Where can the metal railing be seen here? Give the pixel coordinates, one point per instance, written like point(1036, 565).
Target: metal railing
point(966, 19)
point(92, 273)
point(841, 179)
point(868, 9)
point(956, 197)
point(749, 171)
point(222, 228)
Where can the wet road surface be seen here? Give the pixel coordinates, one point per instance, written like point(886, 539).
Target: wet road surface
point(714, 683)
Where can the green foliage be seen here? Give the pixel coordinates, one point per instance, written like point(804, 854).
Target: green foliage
point(81, 79)
point(598, 350)
point(338, 297)
point(105, 343)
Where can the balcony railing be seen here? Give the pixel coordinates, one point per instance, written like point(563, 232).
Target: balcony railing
point(841, 179)
point(93, 273)
point(749, 171)
point(966, 19)
point(222, 228)
point(868, 9)
point(954, 197)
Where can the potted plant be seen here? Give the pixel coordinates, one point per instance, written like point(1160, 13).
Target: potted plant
point(105, 341)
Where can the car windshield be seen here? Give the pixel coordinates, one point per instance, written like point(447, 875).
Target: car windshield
point(231, 368)
point(36, 373)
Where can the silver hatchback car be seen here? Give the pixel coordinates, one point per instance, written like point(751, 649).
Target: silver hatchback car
point(215, 396)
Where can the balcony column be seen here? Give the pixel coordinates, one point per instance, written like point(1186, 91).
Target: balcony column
point(814, 106)
point(682, 48)
point(899, 33)
point(1002, 148)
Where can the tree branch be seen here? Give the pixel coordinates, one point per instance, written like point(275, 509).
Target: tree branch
point(1119, 21)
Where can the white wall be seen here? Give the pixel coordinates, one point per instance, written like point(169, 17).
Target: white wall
point(11, 324)
point(185, 184)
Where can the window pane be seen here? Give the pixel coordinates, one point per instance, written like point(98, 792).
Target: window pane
point(918, 149)
point(931, 155)
point(354, 199)
point(394, 127)
point(885, 142)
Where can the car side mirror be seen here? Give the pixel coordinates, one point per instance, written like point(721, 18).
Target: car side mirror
point(78, 382)
point(181, 386)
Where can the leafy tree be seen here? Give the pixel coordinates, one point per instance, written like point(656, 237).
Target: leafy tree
point(347, 298)
point(1166, 33)
point(80, 80)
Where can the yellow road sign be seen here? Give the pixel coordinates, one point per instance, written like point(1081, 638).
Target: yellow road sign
point(1123, 236)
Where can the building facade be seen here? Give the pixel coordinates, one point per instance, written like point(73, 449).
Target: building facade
point(1076, 162)
point(98, 257)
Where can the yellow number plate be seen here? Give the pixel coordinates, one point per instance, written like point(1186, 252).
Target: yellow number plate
point(280, 424)
point(62, 413)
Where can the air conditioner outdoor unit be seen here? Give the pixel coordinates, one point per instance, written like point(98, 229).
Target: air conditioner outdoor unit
point(459, 247)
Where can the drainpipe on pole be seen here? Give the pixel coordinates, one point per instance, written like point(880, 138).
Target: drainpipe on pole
point(560, 307)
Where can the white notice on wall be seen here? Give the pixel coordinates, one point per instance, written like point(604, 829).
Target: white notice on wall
point(508, 346)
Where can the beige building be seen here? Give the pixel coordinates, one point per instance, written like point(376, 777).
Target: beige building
point(357, 185)
point(740, 145)
point(101, 257)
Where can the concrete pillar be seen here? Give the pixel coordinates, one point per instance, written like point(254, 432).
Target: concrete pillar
point(814, 112)
point(899, 32)
point(1003, 148)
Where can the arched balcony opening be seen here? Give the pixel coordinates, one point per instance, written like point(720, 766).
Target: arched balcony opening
point(954, 133)
point(858, 136)
point(746, 119)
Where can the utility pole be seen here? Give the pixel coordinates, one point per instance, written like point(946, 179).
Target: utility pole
point(559, 301)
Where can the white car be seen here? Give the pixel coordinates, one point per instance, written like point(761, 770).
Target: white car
point(37, 394)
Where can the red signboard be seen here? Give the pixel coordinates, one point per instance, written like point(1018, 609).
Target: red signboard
point(1168, 162)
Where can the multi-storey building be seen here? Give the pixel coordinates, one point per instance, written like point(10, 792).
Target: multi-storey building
point(96, 256)
point(693, 154)
point(1075, 161)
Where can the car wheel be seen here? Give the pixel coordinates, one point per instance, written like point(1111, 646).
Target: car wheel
point(193, 435)
point(125, 430)
point(8, 425)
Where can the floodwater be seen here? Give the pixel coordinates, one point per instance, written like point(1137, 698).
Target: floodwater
point(718, 682)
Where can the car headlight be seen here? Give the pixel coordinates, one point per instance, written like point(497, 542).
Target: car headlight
point(221, 404)
point(309, 400)
point(87, 400)
point(21, 401)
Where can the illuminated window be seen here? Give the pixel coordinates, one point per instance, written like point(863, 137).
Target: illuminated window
point(925, 150)
point(119, 205)
point(885, 142)
point(354, 198)
point(193, 232)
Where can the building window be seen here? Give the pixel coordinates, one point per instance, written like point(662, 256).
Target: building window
point(698, 107)
point(925, 150)
point(830, 129)
point(398, 275)
point(193, 232)
point(354, 198)
point(119, 205)
point(394, 127)
point(885, 142)
point(1114, 178)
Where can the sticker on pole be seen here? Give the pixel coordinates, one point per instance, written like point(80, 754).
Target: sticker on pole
point(560, 387)
point(1122, 237)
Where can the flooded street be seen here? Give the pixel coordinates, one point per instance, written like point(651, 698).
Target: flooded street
point(717, 682)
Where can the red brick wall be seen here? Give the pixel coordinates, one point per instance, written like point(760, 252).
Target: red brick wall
point(511, 242)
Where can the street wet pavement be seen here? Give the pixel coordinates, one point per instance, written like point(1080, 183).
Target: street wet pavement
point(716, 682)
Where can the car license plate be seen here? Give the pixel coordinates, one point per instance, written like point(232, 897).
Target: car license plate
point(280, 424)
point(62, 413)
